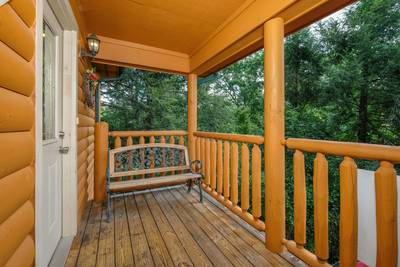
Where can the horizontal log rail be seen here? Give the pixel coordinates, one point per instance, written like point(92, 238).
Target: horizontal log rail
point(221, 157)
point(251, 139)
point(147, 133)
point(385, 194)
point(353, 150)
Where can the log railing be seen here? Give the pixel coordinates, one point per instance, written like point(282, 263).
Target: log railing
point(232, 169)
point(385, 192)
point(221, 157)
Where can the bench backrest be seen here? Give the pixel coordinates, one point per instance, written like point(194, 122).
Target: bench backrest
point(148, 159)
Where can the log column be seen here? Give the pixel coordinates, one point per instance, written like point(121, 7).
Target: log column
point(192, 112)
point(100, 160)
point(274, 130)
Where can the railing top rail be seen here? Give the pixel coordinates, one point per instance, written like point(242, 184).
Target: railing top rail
point(147, 133)
point(349, 149)
point(253, 139)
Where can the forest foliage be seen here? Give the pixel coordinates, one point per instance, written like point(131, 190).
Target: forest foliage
point(342, 78)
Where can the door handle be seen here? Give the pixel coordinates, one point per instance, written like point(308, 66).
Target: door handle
point(63, 149)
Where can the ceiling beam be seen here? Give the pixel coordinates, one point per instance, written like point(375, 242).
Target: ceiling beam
point(306, 12)
point(226, 47)
point(252, 16)
point(127, 54)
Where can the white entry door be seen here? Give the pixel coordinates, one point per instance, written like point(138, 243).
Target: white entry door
point(51, 191)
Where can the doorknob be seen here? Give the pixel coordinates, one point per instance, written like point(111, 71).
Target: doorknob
point(63, 149)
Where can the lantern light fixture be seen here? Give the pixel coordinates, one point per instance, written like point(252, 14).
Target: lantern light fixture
point(93, 45)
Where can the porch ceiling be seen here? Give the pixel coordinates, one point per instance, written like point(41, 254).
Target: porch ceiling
point(189, 36)
point(177, 25)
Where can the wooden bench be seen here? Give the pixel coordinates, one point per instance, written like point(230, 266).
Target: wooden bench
point(145, 166)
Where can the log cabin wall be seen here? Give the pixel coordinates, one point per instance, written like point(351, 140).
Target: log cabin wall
point(17, 140)
point(85, 149)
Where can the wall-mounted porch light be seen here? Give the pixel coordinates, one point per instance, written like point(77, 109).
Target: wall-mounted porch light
point(93, 44)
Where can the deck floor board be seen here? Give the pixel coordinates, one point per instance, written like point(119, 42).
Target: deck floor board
point(166, 228)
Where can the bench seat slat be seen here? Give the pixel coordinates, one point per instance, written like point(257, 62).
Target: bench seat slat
point(139, 184)
point(149, 171)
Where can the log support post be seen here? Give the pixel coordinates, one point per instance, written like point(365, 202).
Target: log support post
point(192, 113)
point(274, 133)
point(100, 161)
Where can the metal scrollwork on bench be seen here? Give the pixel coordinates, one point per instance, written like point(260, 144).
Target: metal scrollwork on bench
point(140, 159)
point(148, 157)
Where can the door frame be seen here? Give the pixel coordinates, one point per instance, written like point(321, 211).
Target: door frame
point(65, 16)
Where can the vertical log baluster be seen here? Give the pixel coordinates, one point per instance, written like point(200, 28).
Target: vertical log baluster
point(207, 167)
point(163, 154)
point(226, 169)
point(129, 142)
point(234, 173)
point(202, 156)
point(386, 214)
point(213, 165)
point(181, 153)
point(300, 196)
point(117, 144)
point(244, 194)
point(256, 181)
point(348, 212)
point(152, 155)
point(141, 140)
point(320, 186)
point(152, 140)
point(172, 154)
point(220, 165)
point(181, 140)
point(142, 155)
point(162, 139)
point(198, 148)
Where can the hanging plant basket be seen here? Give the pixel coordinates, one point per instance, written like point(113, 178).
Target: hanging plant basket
point(90, 81)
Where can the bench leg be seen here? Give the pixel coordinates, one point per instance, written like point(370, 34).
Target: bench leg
point(190, 184)
point(200, 190)
point(108, 207)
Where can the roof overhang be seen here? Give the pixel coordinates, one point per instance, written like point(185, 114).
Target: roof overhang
point(238, 36)
point(296, 14)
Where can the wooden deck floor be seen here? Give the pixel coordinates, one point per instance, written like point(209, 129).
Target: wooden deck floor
point(166, 228)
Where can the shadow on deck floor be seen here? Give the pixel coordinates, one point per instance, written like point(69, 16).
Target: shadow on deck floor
point(166, 228)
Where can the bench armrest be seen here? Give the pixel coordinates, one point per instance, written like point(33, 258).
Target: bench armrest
point(196, 166)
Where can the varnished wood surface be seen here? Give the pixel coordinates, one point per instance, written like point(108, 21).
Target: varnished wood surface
point(167, 227)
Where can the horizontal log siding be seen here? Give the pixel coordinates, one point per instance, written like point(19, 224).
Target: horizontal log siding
point(17, 145)
point(85, 149)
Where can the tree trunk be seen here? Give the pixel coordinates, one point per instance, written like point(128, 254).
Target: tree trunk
point(363, 115)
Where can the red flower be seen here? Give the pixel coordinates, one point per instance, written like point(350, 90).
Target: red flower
point(93, 77)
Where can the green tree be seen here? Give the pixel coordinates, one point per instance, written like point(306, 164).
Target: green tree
point(362, 55)
point(141, 100)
